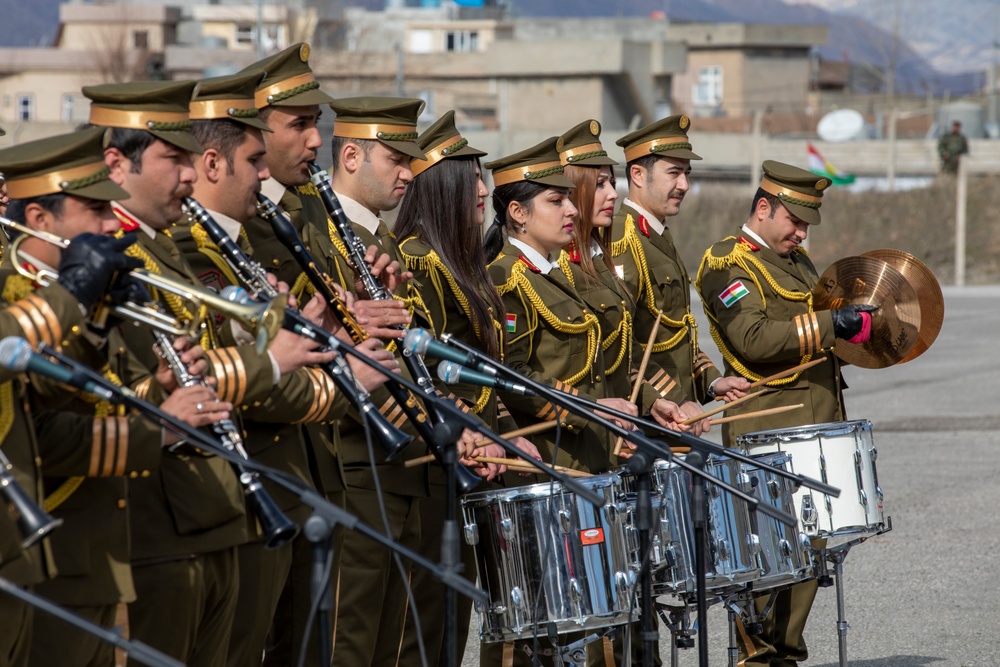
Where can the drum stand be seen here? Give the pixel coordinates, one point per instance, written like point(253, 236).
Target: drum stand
point(678, 621)
point(837, 555)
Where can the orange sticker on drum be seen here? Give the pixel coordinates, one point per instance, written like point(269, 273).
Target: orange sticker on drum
point(591, 536)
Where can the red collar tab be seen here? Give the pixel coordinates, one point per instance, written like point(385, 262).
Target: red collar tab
point(643, 225)
point(750, 244)
point(129, 224)
point(574, 254)
point(529, 264)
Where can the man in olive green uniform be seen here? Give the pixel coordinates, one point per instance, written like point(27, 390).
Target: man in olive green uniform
point(230, 172)
point(59, 169)
point(658, 164)
point(757, 291)
point(88, 449)
point(951, 147)
point(188, 517)
point(373, 141)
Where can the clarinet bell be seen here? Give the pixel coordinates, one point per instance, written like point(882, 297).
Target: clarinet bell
point(33, 521)
point(276, 529)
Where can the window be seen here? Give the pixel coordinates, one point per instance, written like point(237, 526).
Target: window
point(66, 112)
point(25, 106)
point(246, 33)
point(708, 90)
point(140, 39)
point(462, 40)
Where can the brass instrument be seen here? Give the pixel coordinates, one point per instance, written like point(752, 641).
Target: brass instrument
point(263, 318)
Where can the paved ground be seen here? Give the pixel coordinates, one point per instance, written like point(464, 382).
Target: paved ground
point(927, 593)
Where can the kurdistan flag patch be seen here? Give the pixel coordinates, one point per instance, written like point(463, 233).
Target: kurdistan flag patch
point(733, 293)
point(511, 322)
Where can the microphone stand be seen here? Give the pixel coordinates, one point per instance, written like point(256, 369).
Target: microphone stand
point(137, 651)
point(321, 506)
point(447, 434)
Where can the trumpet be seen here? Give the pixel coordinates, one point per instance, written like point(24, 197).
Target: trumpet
point(263, 318)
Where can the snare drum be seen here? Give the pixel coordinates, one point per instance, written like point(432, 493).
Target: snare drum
point(731, 548)
point(841, 454)
point(549, 559)
point(784, 550)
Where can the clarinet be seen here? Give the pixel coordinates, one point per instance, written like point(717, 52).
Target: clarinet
point(289, 237)
point(377, 291)
point(252, 274)
point(277, 528)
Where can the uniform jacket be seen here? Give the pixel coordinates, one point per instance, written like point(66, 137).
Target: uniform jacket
point(759, 306)
point(655, 276)
point(554, 338)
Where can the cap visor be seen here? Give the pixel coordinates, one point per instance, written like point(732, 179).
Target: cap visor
point(807, 215)
point(468, 151)
point(102, 191)
point(254, 122)
point(681, 154)
point(554, 180)
point(305, 99)
point(407, 148)
point(597, 161)
point(183, 140)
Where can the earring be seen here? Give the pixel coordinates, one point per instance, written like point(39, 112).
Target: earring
point(523, 229)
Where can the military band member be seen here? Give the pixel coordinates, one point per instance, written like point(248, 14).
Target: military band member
point(658, 163)
point(188, 516)
point(230, 173)
point(756, 287)
point(64, 174)
point(88, 449)
point(439, 221)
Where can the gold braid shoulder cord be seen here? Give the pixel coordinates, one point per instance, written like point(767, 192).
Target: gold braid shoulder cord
point(16, 288)
point(212, 251)
point(622, 331)
point(440, 275)
point(535, 307)
point(742, 257)
point(630, 241)
point(174, 302)
point(413, 301)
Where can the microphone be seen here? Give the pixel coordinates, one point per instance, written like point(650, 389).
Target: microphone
point(451, 373)
point(16, 355)
point(422, 342)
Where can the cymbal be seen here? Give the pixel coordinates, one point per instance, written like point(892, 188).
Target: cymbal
point(895, 325)
point(928, 291)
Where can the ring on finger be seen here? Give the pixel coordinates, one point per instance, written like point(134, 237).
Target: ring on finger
point(200, 407)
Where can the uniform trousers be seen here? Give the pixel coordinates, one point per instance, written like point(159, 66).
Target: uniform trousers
point(370, 601)
point(284, 642)
point(16, 623)
point(75, 648)
point(430, 593)
point(185, 608)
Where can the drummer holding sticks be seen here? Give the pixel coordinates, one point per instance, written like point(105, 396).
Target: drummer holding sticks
point(756, 287)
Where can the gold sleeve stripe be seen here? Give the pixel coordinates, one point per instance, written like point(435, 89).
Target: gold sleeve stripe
point(231, 373)
point(800, 331)
point(44, 310)
point(702, 364)
point(142, 389)
point(110, 446)
point(323, 393)
point(24, 321)
point(817, 336)
point(316, 389)
point(502, 411)
point(547, 412)
point(222, 377)
point(96, 447)
point(122, 423)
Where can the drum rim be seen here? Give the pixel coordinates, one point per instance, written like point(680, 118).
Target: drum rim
point(828, 428)
point(541, 490)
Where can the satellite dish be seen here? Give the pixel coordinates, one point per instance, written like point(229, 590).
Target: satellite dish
point(841, 125)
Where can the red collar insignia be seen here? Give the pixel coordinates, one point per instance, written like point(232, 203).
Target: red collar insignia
point(129, 224)
point(750, 244)
point(574, 254)
point(529, 264)
point(31, 268)
point(643, 225)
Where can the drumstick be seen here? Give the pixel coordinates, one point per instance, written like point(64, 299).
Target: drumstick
point(642, 372)
point(786, 373)
point(518, 464)
point(719, 408)
point(758, 413)
point(516, 433)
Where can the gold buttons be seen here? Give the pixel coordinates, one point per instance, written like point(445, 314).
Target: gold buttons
point(275, 262)
point(133, 475)
point(121, 504)
point(145, 473)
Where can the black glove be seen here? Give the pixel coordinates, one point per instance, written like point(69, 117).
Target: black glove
point(91, 262)
point(847, 322)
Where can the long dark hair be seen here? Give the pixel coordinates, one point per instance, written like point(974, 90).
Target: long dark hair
point(439, 209)
point(523, 192)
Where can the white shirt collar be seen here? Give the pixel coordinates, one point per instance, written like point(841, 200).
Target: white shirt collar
point(229, 224)
point(359, 214)
point(654, 223)
point(543, 264)
point(755, 237)
point(595, 249)
point(273, 190)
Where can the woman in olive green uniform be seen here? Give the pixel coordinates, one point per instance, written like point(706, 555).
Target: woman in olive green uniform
point(439, 221)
